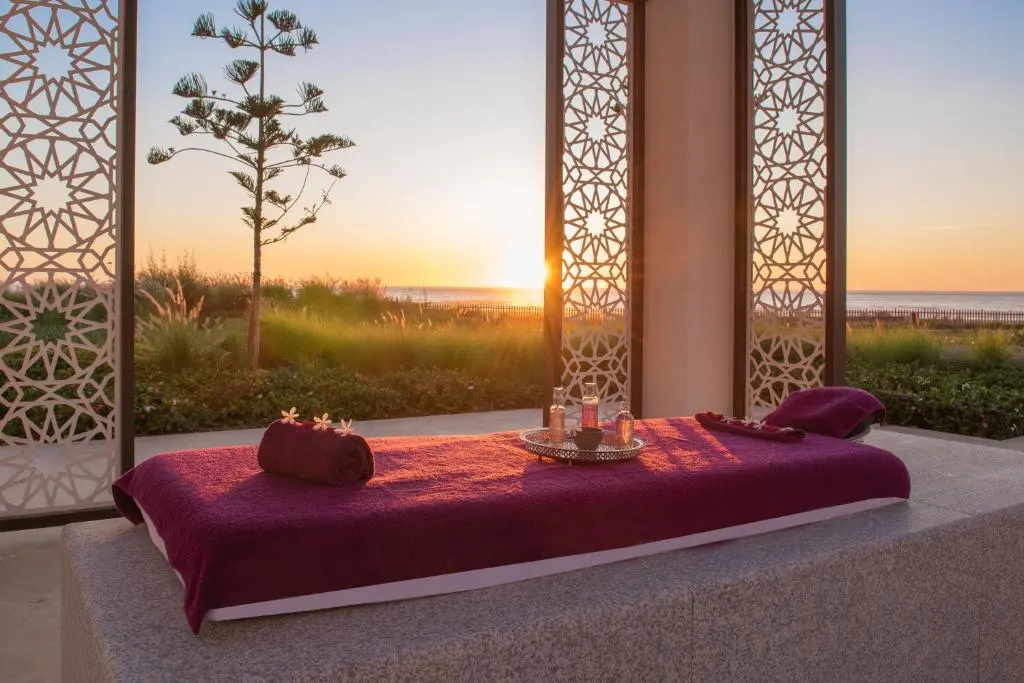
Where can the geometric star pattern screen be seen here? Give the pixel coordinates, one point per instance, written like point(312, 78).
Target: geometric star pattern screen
point(787, 246)
point(595, 189)
point(58, 241)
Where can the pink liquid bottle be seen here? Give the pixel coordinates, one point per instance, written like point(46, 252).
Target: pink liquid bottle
point(591, 402)
point(625, 425)
point(556, 422)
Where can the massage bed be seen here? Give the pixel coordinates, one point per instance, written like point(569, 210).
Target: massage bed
point(448, 514)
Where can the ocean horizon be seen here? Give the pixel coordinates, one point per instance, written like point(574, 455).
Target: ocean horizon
point(521, 296)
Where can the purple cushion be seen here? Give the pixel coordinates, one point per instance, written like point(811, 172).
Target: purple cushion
point(830, 411)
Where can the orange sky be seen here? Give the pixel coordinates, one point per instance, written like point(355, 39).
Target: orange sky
point(943, 258)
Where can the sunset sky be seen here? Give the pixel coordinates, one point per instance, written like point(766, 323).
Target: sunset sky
point(936, 147)
point(445, 101)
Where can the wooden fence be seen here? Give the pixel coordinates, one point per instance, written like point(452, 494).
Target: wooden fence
point(855, 316)
point(936, 317)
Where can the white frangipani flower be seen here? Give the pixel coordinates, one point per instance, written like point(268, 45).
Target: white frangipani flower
point(288, 416)
point(322, 423)
point(345, 429)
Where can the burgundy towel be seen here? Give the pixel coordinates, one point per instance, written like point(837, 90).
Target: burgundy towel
point(756, 430)
point(830, 411)
point(323, 456)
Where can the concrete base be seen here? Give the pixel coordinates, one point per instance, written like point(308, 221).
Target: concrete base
point(30, 606)
point(928, 590)
point(30, 574)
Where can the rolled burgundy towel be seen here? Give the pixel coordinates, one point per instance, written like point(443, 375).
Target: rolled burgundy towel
point(756, 430)
point(832, 411)
point(322, 456)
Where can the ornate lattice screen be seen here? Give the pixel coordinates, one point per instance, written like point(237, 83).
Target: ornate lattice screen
point(795, 227)
point(593, 113)
point(59, 243)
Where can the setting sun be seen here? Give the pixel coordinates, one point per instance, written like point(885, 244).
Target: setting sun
point(524, 269)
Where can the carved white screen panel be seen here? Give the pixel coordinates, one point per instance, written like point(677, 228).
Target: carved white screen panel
point(788, 240)
point(596, 323)
point(59, 175)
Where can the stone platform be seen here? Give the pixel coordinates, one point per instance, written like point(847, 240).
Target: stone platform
point(928, 590)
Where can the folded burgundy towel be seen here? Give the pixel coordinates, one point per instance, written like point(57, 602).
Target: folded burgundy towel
point(749, 428)
point(323, 456)
point(830, 411)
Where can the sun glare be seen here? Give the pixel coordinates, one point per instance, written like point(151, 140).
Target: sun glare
point(523, 272)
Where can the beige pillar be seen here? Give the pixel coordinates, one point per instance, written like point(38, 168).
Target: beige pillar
point(689, 206)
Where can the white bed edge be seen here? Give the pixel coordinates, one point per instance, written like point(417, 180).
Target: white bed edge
point(495, 576)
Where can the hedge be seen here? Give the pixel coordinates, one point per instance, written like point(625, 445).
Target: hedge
point(948, 397)
point(229, 398)
point(961, 399)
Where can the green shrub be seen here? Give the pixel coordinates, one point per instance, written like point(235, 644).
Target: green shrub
point(227, 295)
point(440, 392)
point(233, 342)
point(296, 338)
point(960, 399)
point(360, 299)
point(159, 276)
point(1017, 337)
point(175, 345)
point(276, 292)
point(329, 345)
point(992, 348)
point(885, 346)
point(226, 398)
point(173, 338)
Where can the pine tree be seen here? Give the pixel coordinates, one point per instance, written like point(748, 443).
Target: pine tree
point(250, 130)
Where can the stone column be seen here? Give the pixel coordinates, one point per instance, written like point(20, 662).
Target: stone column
point(690, 189)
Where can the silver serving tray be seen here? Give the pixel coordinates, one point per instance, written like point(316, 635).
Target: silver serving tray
point(538, 441)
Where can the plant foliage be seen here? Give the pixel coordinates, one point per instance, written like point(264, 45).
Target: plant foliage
point(253, 129)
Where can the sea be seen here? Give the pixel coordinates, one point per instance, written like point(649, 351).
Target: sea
point(973, 301)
